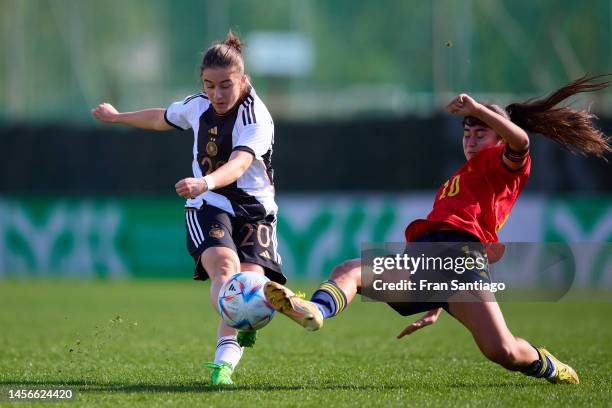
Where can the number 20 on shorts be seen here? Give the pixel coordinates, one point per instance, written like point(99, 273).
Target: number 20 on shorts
point(262, 233)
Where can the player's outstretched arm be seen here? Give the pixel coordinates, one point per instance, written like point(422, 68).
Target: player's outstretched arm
point(428, 318)
point(225, 175)
point(152, 119)
point(515, 136)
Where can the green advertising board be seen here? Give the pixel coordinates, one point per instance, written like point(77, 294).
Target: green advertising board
point(112, 237)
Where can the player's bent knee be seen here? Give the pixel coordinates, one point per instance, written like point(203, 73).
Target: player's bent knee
point(219, 266)
point(226, 268)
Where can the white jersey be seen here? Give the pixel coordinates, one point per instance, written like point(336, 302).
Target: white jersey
point(246, 127)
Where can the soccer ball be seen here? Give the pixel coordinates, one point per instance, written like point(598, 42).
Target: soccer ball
point(242, 302)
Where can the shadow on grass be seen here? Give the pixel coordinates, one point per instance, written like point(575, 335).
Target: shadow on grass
point(188, 387)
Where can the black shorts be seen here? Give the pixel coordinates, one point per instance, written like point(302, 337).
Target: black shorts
point(253, 240)
point(473, 248)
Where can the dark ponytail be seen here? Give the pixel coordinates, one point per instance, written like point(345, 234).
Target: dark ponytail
point(225, 54)
point(569, 127)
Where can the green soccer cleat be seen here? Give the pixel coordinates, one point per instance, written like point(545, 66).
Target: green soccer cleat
point(564, 374)
point(221, 373)
point(301, 311)
point(246, 338)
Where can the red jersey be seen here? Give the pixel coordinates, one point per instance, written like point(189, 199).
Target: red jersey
point(477, 198)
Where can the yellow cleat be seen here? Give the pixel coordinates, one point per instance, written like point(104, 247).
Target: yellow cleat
point(301, 311)
point(564, 374)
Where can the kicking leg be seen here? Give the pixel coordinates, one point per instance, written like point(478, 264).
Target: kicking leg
point(220, 263)
point(329, 299)
point(486, 323)
point(336, 293)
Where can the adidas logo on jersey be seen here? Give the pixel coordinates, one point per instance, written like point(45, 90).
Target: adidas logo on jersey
point(213, 131)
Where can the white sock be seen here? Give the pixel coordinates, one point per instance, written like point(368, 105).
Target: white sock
point(228, 351)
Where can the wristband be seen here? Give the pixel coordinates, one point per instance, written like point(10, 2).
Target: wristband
point(513, 155)
point(210, 184)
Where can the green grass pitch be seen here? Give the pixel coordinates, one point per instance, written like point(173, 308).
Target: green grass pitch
point(142, 343)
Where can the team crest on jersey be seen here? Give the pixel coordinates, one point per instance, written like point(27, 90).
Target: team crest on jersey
point(216, 232)
point(212, 149)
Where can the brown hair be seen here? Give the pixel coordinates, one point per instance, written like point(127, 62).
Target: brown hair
point(571, 128)
point(474, 121)
point(224, 54)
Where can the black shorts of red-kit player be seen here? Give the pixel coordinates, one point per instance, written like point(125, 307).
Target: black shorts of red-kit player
point(253, 240)
point(463, 239)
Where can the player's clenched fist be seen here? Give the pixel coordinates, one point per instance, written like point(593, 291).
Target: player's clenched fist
point(190, 187)
point(105, 112)
point(463, 105)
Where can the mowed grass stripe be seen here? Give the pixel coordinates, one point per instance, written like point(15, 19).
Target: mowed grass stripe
point(143, 343)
